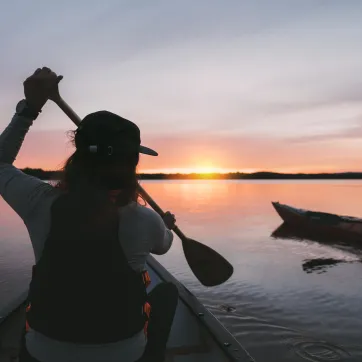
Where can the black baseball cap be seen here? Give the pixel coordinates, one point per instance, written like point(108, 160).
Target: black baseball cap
point(106, 133)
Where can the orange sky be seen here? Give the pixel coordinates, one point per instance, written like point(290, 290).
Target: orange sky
point(48, 150)
point(258, 85)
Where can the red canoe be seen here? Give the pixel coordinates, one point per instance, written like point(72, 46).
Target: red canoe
point(345, 227)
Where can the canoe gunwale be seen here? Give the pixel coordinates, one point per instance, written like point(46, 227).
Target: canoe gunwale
point(13, 307)
point(226, 341)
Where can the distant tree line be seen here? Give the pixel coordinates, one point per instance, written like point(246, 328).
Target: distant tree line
point(55, 175)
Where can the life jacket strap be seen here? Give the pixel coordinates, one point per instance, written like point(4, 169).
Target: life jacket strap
point(27, 309)
point(146, 278)
point(147, 312)
point(147, 306)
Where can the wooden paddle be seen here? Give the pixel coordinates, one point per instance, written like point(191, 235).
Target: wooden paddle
point(209, 267)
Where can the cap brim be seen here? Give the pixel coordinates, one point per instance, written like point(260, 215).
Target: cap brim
point(147, 151)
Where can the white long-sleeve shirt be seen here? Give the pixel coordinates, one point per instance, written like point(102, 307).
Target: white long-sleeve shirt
point(141, 232)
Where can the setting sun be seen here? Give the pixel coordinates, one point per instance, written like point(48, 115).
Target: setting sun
point(206, 167)
point(207, 170)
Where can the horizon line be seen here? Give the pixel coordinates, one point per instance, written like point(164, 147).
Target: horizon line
point(261, 175)
point(215, 173)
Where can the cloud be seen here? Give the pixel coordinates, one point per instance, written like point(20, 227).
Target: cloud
point(345, 134)
point(251, 76)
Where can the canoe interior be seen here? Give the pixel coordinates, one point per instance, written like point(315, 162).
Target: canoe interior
point(12, 320)
point(196, 335)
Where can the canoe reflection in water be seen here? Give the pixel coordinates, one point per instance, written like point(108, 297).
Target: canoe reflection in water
point(318, 265)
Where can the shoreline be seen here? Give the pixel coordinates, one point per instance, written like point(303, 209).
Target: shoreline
point(55, 175)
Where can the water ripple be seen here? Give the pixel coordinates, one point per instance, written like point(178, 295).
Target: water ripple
point(318, 351)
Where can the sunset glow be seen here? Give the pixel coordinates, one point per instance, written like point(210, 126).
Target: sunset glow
point(275, 86)
point(199, 170)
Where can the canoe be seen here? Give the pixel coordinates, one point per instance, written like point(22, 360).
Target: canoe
point(196, 335)
point(331, 225)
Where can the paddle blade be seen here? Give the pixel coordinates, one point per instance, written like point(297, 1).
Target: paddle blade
point(209, 267)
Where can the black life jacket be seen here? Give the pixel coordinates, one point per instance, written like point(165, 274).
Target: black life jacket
point(83, 289)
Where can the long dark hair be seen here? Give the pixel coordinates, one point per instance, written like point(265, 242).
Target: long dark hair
point(92, 177)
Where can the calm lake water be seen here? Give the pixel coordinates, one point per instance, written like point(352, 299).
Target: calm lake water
point(278, 308)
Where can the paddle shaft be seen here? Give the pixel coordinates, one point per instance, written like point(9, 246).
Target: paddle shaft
point(155, 207)
point(64, 106)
